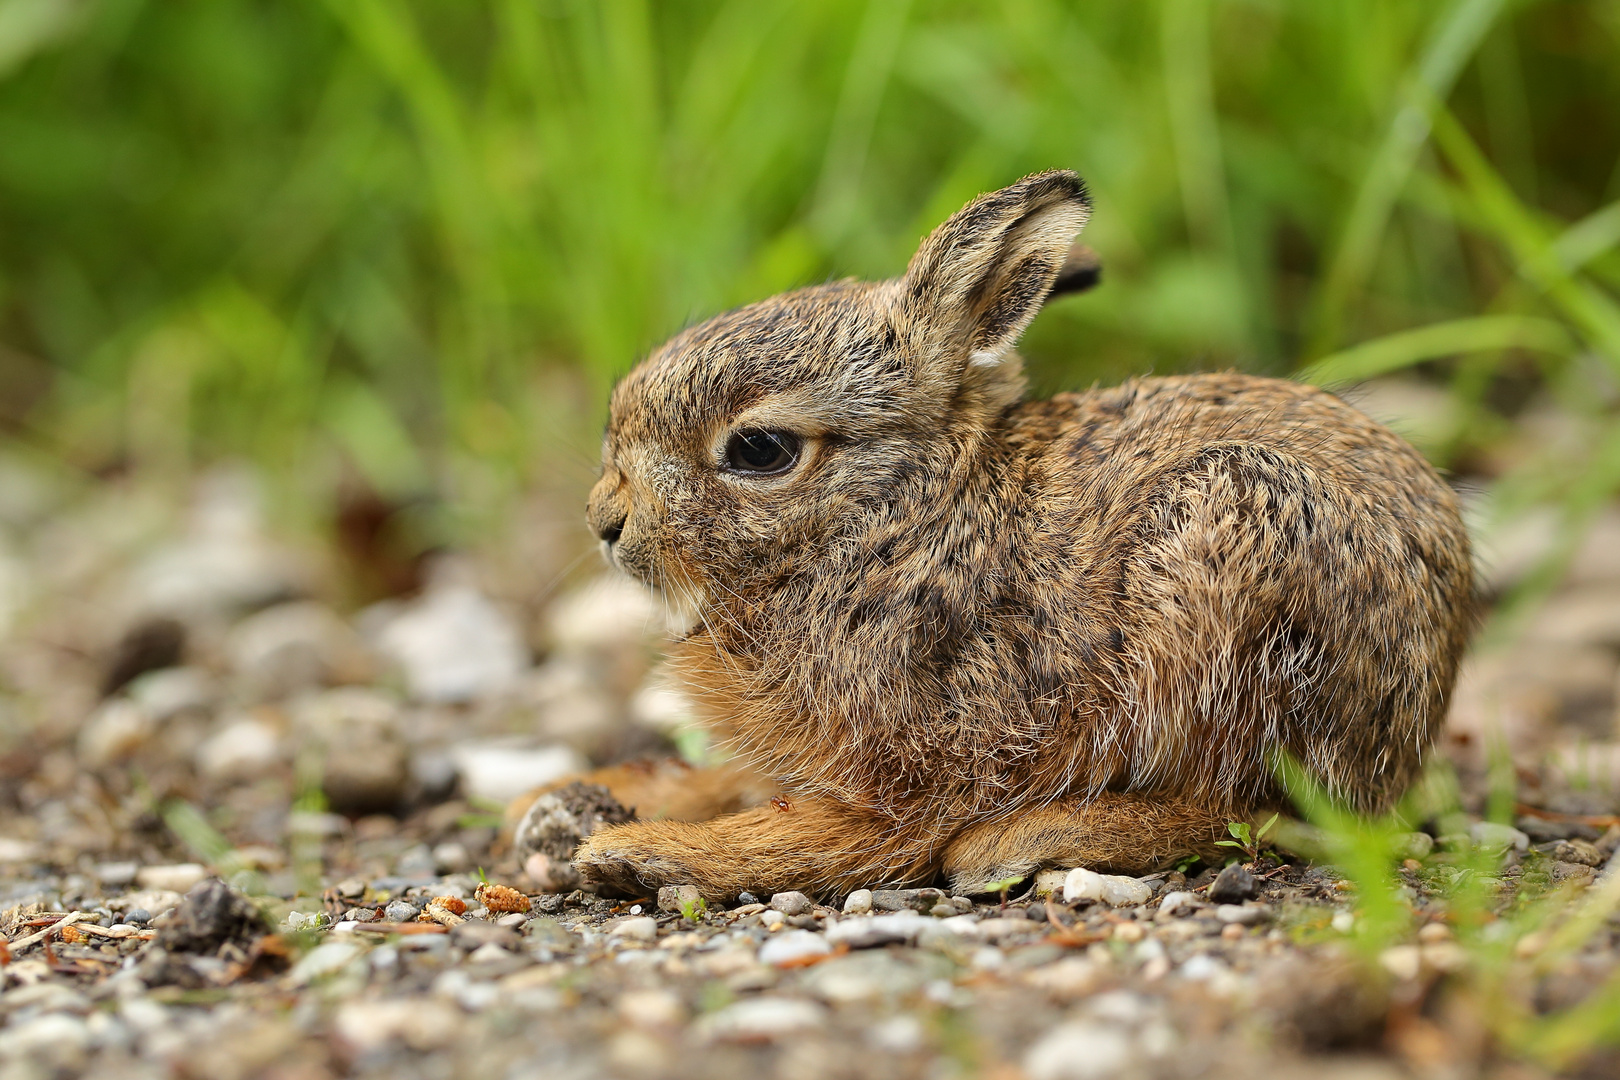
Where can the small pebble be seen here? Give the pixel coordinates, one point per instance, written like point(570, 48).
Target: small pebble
point(763, 1019)
point(772, 919)
point(791, 903)
point(1176, 903)
point(746, 898)
point(1234, 885)
point(793, 948)
point(1112, 889)
point(858, 902)
point(488, 952)
point(1239, 915)
point(137, 916)
point(1232, 932)
point(1491, 836)
point(179, 877)
point(401, 911)
point(679, 898)
point(635, 928)
point(117, 873)
point(1080, 1050)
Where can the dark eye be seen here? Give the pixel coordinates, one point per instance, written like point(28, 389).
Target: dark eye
point(762, 452)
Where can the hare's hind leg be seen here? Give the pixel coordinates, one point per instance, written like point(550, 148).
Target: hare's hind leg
point(814, 845)
point(1127, 832)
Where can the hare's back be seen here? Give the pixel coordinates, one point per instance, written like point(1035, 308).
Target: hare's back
point(1282, 570)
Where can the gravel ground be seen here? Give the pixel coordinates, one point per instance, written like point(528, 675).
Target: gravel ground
point(244, 835)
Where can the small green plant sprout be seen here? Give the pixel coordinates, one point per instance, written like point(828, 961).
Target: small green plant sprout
point(1003, 887)
point(694, 910)
point(482, 877)
point(1250, 846)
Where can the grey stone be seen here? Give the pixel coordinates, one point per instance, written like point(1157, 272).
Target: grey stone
point(401, 911)
point(1240, 915)
point(1234, 885)
point(906, 899)
point(681, 898)
point(869, 931)
point(791, 903)
point(1490, 836)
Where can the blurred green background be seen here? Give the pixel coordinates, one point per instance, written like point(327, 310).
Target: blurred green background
point(413, 241)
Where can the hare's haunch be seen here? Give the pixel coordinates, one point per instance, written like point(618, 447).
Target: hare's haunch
point(961, 632)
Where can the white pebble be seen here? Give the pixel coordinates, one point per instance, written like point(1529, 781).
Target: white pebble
point(242, 750)
point(420, 1023)
point(1082, 884)
point(179, 877)
point(858, 902)
point(1402, 961)
point(651, 1008)
point(1239, 915)
point(793, 947)
point(900, 926)
point(57, 1036)
point(1078, 1051)
point(1175, 902)
point(772, 919)
point(763, 1019)
point(1125, 891)
point(323, 960)
point(636, 928)
point(1111, 889)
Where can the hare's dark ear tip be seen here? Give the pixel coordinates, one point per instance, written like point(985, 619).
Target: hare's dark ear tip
point(1058, 185)
point(1081, 270)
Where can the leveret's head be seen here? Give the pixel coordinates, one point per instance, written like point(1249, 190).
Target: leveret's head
point(760, 435)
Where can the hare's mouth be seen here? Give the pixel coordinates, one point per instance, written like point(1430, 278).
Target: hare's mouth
point(682, 597)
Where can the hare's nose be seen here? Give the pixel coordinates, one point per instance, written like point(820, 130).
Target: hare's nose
point(610, 531)
point(606, 516)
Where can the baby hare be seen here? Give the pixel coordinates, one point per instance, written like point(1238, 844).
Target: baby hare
point(948, 630)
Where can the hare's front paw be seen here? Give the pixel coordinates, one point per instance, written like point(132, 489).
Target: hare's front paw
point(622, 859)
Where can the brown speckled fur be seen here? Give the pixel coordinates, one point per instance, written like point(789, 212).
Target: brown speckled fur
point(972, 634)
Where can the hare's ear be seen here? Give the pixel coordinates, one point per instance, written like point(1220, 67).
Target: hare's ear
point(979, 279)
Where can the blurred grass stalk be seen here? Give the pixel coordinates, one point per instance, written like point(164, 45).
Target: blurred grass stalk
point(1508, 947)
point(366, 236)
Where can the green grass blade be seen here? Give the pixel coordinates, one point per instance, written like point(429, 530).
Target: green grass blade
point(1483, 333)
point(1458, 34)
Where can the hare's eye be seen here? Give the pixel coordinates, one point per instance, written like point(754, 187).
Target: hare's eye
point(762, 453)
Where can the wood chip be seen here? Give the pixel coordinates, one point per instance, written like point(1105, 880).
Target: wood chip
point(41, 935)
point(118, 932)
point(435, 913)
